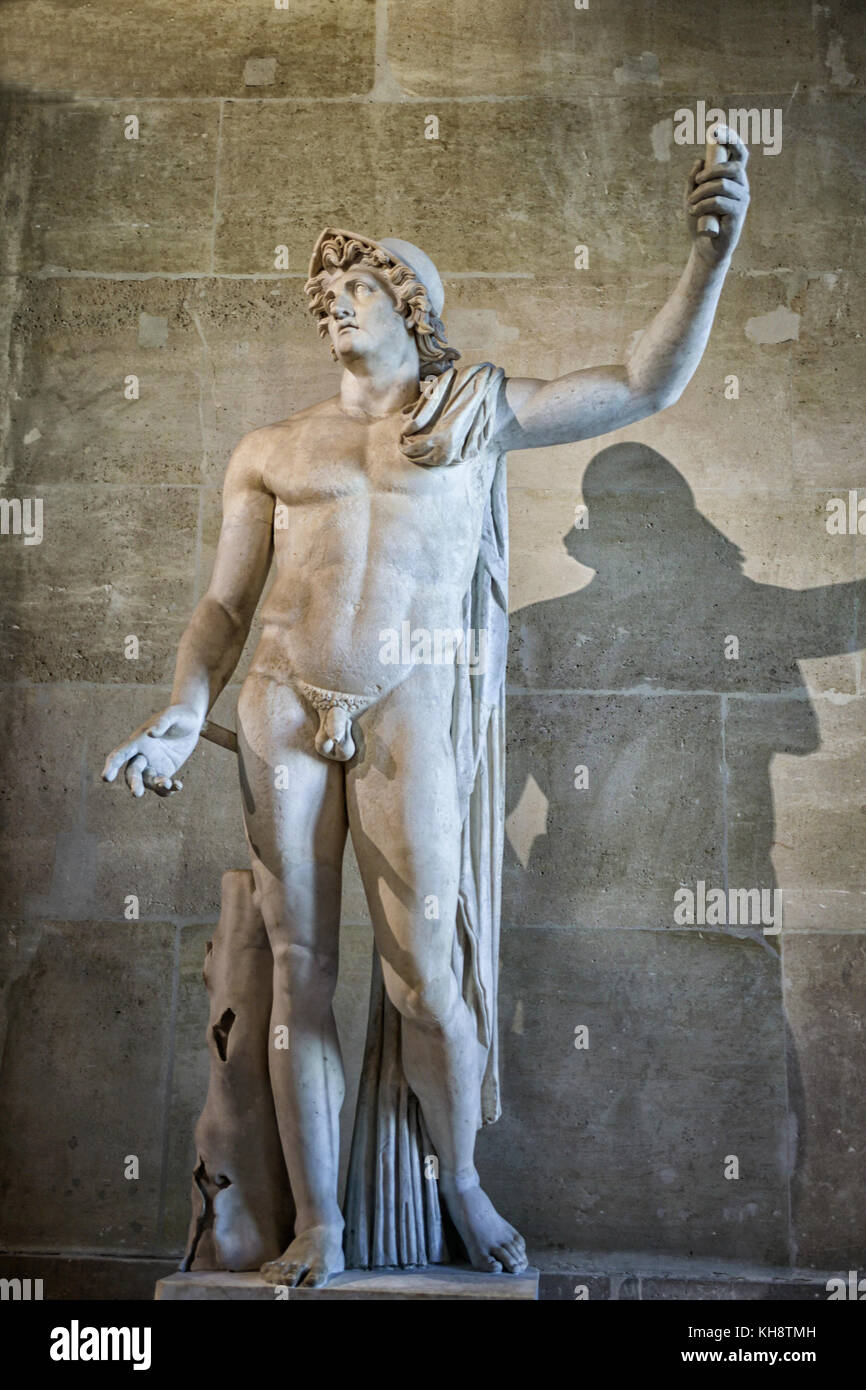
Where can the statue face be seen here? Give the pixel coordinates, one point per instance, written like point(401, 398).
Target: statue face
point(363, 317)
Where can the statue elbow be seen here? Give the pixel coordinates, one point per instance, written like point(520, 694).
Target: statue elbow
point(664, 396)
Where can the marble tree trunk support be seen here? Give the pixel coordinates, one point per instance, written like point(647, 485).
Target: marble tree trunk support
point(241, 1199)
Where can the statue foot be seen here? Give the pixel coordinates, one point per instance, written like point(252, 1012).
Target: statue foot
point(311, 1260)
point(491, 1243)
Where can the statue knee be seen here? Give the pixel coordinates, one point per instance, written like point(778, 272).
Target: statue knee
point(429, 1002)
point(305, 976)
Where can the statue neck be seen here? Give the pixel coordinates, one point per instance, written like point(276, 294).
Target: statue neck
point(376, 392)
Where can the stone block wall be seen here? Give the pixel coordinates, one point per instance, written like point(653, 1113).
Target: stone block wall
point(154, 257)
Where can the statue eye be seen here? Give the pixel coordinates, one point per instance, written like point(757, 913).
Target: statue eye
point(362, 288)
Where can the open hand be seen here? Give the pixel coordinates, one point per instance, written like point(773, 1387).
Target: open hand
point(156, 751)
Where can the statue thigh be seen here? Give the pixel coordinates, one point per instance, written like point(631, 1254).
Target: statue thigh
point(295, 818)
point(401, 794)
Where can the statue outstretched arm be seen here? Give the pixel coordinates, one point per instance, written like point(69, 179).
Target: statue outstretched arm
point(215, 635)
point(583, 404)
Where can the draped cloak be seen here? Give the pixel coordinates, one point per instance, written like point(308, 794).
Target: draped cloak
point(392, 1209)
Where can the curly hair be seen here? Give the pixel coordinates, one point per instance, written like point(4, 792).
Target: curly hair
point(339, 253)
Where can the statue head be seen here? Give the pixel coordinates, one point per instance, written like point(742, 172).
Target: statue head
point(360, 291)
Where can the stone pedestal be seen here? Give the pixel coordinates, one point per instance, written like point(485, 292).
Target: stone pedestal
point(435, 1281)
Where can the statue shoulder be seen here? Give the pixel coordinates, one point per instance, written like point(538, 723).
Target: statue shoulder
point(485, 381)
point(254, 449)
point(485, 371)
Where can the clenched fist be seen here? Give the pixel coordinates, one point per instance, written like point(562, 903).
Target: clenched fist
point(720, 191)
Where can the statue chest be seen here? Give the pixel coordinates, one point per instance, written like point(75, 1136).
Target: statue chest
point(339, 457)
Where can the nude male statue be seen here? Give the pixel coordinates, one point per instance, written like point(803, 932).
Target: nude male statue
point(385, 514)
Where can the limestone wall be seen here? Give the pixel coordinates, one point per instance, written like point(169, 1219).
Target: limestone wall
point(155, 258)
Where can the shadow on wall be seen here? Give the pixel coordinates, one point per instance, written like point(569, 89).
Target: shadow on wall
point(688, 1059)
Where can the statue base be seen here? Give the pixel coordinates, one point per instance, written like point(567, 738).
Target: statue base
point(433, 1281)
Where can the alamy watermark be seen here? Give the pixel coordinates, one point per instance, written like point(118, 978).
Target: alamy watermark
point(22, 517)
point(735, 907)
point(20, 1290)
point(754, 125)
point(846, 516)
point(77, 1343)
point(854, 1288)
point(438, 646)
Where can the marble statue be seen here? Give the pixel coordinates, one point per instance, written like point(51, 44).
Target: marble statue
point(357, 718)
